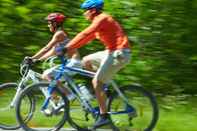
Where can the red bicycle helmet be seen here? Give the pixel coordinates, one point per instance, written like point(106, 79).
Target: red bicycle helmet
point(55, 17)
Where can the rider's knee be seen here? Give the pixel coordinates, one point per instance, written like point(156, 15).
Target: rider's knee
point(45, 77)
point(86, 62)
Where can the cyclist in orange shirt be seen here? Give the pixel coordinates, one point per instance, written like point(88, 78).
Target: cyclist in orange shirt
point(107, 62)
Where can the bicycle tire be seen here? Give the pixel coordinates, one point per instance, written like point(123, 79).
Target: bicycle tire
point(27, 125)
point(4, 125)
point(132, 89)
point(8, 113)
point(78, 119)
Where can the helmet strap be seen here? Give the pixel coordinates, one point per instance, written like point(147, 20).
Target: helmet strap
point(57, 27)
point(96, 13)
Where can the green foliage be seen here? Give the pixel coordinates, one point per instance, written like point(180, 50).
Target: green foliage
point(163, 35)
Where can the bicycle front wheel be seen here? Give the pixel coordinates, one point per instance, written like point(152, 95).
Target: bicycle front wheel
point(7, 117)
point(139, 113)
point(80, 118)
point(52, 118)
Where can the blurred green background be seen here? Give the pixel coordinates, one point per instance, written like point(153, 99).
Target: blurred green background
point(162, 34)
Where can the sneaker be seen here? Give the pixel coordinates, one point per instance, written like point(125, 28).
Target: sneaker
point(56, 109)
point(104, 119)
point(47, 112)
point(59, 108)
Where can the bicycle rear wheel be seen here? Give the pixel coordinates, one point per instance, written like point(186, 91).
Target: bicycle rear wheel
point(39, 120)
point(7, 117)
point(139, 114)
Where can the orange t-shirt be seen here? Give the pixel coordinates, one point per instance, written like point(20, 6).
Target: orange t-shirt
point(104, 28)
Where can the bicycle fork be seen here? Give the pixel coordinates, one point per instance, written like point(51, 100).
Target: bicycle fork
point(19, 89)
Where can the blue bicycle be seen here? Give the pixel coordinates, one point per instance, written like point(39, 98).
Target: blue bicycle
point(131, 107)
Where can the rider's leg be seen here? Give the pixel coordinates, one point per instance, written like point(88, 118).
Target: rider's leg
point(100, 95)
point(109, 66)
point(47, 75)
point(104, 118)
point(91, 62)
point(87, 64)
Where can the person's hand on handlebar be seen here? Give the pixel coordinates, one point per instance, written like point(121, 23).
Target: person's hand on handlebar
point(30, 60)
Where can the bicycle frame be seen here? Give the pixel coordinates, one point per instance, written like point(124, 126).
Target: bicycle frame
point(62, 73)
point(31, 75)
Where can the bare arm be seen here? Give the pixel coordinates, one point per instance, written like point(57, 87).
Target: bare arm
point(58, 37)
point(85, 36)
point(50, 53)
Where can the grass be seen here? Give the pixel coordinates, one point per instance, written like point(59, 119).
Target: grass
point(176, 114)
point(177, 120)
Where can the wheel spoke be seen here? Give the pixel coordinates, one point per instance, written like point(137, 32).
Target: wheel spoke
point(53, 116)
point(144, 105)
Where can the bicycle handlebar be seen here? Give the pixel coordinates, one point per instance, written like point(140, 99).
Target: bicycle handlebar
point(25, 66)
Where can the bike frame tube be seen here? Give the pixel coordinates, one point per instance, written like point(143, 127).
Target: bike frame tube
point(81, 97)
point(89, 74)
point(61, 72)
point(31, 75)
point(115, 86)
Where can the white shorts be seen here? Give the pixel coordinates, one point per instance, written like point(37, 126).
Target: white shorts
point(108, 63)
point(52, 72)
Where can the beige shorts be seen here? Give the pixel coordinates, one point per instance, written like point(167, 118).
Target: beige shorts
point(108, 63)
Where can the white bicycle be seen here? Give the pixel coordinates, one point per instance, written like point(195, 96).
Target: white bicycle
point(9, 92)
